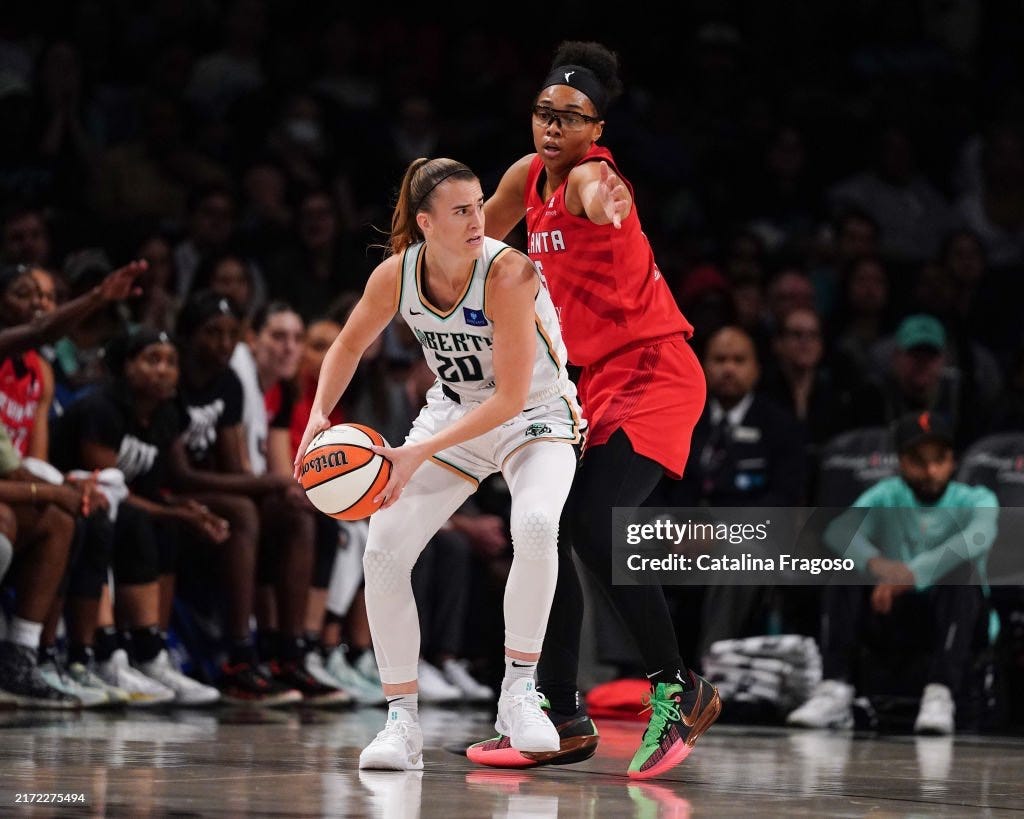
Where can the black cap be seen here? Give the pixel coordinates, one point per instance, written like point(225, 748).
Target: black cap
point(917, 427)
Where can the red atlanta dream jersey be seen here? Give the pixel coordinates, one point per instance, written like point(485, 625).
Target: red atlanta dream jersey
point(604, 281)
point(21, 387)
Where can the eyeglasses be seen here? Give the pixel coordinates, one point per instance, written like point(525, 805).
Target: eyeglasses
point(568, 120)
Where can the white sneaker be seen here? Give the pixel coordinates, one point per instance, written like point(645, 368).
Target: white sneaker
point(433, 687)
point(457, 673)
point(57, 678)
point(186, 690)
point(342, 673)
point(85, 676)
point(399, 747)
point(142, 691)
point(522, 720)
point(936, 715)
point(830, 706)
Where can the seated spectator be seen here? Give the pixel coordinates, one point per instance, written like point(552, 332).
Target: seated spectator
point(41, 529)
point(321, 260)
point(128, 425)
point(158, 306)
point(266, 362)
point(936, 293)
point(800, 379)
point(915, 374)
point(208, 464)
point(863, 316)
point(926, 571)
point(851, 235)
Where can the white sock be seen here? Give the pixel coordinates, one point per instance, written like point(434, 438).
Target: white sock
point(24, 632)
point(516, 669)
point(410, 703)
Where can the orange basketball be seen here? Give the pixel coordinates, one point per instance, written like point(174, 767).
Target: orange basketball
point(341, 474)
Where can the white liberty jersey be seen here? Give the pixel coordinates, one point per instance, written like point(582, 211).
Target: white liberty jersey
point(457, 342)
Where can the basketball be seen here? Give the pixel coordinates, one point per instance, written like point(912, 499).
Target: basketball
point(341, 474)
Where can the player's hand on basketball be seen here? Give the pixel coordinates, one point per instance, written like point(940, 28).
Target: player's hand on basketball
point(317, 423)
point(614, 196)
point(405, 460)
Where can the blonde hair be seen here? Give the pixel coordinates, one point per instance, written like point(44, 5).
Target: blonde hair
point(415, 194)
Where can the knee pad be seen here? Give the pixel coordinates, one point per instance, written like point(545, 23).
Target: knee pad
point(535, 535)
point(382, 570)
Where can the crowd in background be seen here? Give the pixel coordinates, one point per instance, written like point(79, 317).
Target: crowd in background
point(834, 192)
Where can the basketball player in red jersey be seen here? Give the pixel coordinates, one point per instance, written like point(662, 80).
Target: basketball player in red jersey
point(641, 387)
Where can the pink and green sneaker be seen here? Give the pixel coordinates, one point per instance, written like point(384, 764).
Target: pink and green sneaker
point(679, 715)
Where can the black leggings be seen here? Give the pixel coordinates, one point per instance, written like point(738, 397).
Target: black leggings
point(91, 551)
point(610, 475)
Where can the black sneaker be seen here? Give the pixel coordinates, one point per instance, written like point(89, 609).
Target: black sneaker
point(248, 684)
point(577, 734)
point(21, 681)
point(293, 674)
point(680, 714)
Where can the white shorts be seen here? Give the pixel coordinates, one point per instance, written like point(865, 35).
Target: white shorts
point(557, 420)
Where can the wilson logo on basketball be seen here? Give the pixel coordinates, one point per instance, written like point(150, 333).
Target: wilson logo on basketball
point(332, 460)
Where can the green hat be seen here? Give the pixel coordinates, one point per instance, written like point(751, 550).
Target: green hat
point(921, 331)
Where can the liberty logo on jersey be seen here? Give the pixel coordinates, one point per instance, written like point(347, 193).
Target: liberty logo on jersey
point(536, 430)
point(474, 318)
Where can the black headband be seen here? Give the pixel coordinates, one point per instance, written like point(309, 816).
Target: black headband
point(582, 79)
point(430, 190)
point(202, 306)
point(143, 338)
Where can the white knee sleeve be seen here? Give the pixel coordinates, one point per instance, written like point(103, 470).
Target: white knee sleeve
point(396, 537)
point(539, 477)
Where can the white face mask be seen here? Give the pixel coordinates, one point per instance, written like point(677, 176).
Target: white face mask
point(304, 132)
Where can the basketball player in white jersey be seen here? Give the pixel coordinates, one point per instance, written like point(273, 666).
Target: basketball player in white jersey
point(502, 402)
